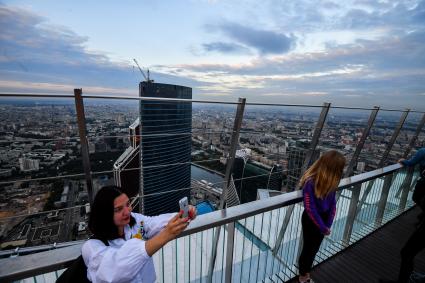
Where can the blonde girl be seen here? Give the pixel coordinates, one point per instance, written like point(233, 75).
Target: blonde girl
point(318, 183)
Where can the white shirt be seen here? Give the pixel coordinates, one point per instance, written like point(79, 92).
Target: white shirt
point(125, 260)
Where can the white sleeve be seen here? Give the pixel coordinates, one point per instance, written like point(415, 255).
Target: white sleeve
point(153, 224)
point(109, 264)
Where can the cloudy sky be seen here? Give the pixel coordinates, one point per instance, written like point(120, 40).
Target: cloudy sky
point(351, 53)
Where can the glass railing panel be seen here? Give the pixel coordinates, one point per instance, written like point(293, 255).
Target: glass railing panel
point(366, 210)
point(286, 256)
point(243, 271)
point(260, 254)
point(337, 229)
point(187, 259)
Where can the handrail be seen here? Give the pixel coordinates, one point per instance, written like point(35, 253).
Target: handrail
point(39, 263)
point(35, 249)
point(231, 214)
point(127, 97)
point(52, 260)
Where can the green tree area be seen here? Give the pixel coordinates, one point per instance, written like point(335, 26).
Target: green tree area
point(55, 195)
point(213, 164)
point(99, 161)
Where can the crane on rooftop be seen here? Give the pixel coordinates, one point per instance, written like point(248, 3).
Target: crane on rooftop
point(147, 79)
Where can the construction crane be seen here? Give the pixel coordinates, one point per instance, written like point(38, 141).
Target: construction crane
point(147, 79)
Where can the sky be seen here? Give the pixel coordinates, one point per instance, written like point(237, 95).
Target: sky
point(350, 53)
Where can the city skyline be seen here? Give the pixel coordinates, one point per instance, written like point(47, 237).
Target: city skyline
point(41, 141)
point(355, 53)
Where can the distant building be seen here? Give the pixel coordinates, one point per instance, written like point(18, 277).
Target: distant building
point(27, 164)
point(92, 147)
point(296, 157)
point(160, 149)
point(165, 147)
point(361, 167)
point(275, 178)
point(101, 147)
point(263, 194)
point(241, 158)
point(127, 171)
point(127, 166)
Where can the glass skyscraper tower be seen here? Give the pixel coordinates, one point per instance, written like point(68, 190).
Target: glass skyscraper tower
point(165, 147)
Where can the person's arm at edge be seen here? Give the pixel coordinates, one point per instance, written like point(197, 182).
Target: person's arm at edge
point(420, 154)
point(155, 224)
point(170, 232)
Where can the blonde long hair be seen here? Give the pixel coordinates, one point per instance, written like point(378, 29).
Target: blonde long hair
point(326, 173)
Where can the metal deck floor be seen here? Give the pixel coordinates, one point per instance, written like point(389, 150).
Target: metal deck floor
point(374, 257)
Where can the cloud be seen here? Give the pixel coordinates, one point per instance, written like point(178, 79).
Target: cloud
point(34, 50)
point(394, 15)
point(30, 87)
point(264, 41)
point(387, 70)
point(224, 47)
point(392, 68)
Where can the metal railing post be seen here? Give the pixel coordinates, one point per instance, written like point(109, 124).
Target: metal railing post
point(359, 147)
point(309, 156)
point(393, 138)
point(384, 156)
point(405, 188)
point(282, 231)
point(316, 136)
point(233, 145)
point(81, 119)
point(351, 216)
point(356, 154)
point(229, 166)
point(415, 137)
point(409, 172)
point(383, 199)
point(229, 252)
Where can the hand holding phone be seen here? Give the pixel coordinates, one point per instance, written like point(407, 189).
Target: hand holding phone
point(184, 206)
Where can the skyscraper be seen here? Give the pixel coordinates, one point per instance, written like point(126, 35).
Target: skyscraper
point(165, 147)
point(296, 157)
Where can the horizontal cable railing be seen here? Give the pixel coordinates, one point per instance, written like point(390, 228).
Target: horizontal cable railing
point(239, 214)
point(126, 97)
point(250, 138)
point(215, 184)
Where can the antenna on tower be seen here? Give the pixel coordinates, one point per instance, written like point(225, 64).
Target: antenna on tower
point(147, 79)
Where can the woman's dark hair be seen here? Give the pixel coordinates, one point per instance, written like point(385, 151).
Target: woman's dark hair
point(101, 220)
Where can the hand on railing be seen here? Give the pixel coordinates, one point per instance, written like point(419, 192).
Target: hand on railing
point(174, 227)
point(327, 232)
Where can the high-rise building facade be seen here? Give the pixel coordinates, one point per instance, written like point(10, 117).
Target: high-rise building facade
point(296, 157)
point(165, 147)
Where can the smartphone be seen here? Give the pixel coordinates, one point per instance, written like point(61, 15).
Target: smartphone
point(184, 205)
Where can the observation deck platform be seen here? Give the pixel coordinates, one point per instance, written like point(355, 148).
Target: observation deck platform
point(374, 257)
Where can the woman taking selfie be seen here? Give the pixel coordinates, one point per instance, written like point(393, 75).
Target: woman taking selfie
point(132, 238)
point(318, 183)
